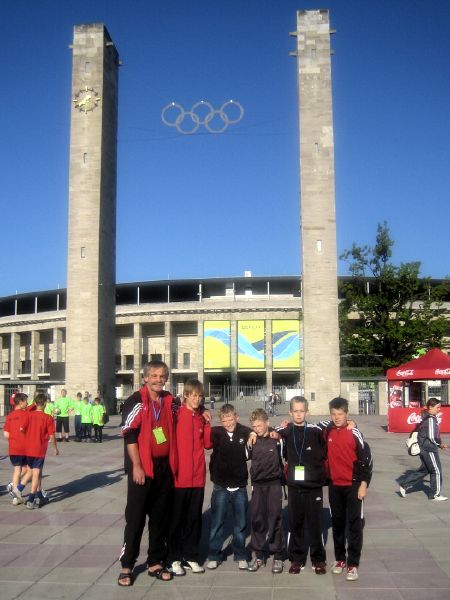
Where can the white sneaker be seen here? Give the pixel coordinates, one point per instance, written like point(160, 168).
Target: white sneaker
point(439, 498)
point(9, 489)
point(212, 564)
point(16, 493)
point(338, 567)
point(352, 574)
point(193, 566)
point(277, 566)
point(256, 564)
point(243, 565)
point(402, 492)
point(177, 569)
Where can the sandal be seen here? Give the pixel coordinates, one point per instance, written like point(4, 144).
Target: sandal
point(122, 577)
point(161, 574)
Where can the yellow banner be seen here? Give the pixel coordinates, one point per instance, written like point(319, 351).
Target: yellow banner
point(286, 343)
point(251, 345)
point(216, 345)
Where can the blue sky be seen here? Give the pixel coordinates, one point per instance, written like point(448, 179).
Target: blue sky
point(216, 205)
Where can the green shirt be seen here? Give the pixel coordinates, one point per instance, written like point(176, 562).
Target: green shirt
point(49, 408)
point(97, 414)
point(86, 413)
point(63, 405)
point(76, 407)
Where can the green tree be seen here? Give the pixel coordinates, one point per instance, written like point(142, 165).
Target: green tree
point(388, 312)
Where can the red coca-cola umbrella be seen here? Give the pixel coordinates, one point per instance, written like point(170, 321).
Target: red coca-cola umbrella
point(435, 364)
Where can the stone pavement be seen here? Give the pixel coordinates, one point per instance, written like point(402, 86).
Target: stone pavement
point(69, 548)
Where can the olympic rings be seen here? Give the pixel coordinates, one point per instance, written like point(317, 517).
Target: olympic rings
point(187, 122)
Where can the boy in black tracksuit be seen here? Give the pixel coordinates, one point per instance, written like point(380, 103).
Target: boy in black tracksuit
point(306, 475)
point(429, 443)
point(266, 474)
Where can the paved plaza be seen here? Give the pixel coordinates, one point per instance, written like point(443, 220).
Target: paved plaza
point(69, 548)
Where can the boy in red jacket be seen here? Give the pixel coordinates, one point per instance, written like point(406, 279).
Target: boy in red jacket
point(350, 465)
point(15, 432)
point(192, 435)
point(40, 430)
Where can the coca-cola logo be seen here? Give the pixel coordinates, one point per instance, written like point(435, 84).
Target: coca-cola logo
point(406, 373)
point(395, 403)
point(442, 372)
point(414, 418)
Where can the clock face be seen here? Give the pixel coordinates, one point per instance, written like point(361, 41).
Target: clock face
point(86, 99)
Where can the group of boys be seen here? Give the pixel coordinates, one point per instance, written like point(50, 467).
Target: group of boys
point(165, 462)
point(29, 429)
point(87, 415)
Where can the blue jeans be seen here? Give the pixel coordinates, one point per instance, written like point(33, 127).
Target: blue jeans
point(220, 500)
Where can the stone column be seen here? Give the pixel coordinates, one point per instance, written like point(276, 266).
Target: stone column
point(318, 218)
point(34, 354)
point(382, 398)
point(14, 356)
point(91, 261)
point(168, 351)
point(57, 353)
point(137, 354)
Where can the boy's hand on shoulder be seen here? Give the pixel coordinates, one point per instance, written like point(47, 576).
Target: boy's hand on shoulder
point(351, 424)
point(284, 423)
point(362, 490)
point(251, 439)
point(274, 435)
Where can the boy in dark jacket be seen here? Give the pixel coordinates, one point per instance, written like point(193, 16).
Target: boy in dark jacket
point(430, 443)
point(350, 466)
point(306, 474)
point(228, 470)
point(192, 436)
point(266, 474)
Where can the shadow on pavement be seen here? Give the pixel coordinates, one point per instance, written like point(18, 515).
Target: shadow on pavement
point(90, 482)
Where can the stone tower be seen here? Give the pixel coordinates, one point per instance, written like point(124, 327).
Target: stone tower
point(91, 270)
point(318, 219)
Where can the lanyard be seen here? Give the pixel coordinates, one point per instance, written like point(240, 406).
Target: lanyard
point(299, 455)
point(155, 413)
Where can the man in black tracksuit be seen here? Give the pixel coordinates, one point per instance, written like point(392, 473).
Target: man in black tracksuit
point(305, 448)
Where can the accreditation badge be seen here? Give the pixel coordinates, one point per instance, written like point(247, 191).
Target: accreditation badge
point(299, 473)
point(160, 438)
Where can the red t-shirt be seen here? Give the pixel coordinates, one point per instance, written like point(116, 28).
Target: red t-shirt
point(159, 420)
point(14, 422)
point(40, 428)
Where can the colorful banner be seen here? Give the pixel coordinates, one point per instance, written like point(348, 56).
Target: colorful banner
point(286, 344)
point(251, 345)
point(216, 345)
